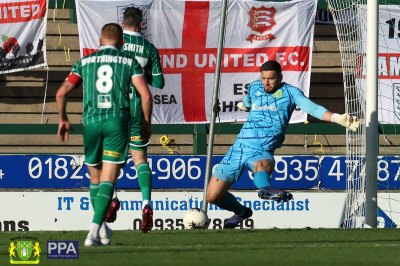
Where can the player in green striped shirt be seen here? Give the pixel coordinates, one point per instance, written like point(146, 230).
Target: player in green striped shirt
point(148, 57)
point(106, 76)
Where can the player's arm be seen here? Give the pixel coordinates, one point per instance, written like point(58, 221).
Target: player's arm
point(72, 81)
point(147, 103)
point(320, 112)
point(156, 77)
point(245, 104)
point(157, 81)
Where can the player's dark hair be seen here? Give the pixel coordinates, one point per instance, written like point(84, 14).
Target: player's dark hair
point(133, 16)
point(271, 65)
point(112, 31)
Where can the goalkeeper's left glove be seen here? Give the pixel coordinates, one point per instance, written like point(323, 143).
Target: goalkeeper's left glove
point(346, 120)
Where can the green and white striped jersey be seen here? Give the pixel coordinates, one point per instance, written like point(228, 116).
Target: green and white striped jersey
point(144, 52)
point(106, 77)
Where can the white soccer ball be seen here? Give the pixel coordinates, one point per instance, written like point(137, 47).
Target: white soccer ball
point(195, 219)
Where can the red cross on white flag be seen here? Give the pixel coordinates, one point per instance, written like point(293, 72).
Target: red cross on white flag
point(186, 34)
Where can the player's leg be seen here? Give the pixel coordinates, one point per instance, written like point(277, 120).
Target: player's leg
point(138, 146)
point(227, 172)
point(113, 153)
point(94, 173)
point(93, 159)
point(96, 230)
point(99, 228)
point(108, 177)
point(262, 168)
point(143, 170)
point(139, 156)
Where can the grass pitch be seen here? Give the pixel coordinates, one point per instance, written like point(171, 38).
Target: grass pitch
point(227, 247)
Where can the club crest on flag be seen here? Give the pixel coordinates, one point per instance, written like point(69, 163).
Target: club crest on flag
point(261, 19)
point(120, 15)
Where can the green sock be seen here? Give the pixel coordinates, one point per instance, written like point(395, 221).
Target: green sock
point(103, 201)
point(94, 188)
point(144, 176)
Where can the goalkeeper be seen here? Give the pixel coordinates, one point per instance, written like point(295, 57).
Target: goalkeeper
point(270, 103)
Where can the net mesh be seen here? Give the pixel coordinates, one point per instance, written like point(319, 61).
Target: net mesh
point(350, 19)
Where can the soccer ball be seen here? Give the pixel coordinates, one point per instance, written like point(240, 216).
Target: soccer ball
point(195, 219)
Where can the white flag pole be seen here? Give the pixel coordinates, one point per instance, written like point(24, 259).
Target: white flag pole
point(215, 104)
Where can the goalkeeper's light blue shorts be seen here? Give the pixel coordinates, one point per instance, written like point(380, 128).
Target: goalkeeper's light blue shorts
point(238, 158)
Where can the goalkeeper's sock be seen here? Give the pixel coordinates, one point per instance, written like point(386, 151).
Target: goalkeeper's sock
point(262, 179)
point(145, 182)
point(103, 201)
point(230, 203)
point(94, 188)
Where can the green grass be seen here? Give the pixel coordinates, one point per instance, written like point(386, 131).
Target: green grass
point(229, 247)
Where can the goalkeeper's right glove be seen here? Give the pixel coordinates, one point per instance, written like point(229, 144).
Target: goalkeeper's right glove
point(241, 106)
point(346, 120)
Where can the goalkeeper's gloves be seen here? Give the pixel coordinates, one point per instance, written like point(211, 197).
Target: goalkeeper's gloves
point(346, 120)
point(241, 106)
point(245, 105)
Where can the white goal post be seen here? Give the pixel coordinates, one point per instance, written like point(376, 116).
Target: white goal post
point(350, 19)
point(369, 41)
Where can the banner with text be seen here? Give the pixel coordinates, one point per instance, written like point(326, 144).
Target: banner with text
point(388, 61)
point(186, 34)
point(22, 35)
point(60, 211)
point(188, 172)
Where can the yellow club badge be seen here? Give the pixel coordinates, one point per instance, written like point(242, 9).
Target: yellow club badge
point(278, 94)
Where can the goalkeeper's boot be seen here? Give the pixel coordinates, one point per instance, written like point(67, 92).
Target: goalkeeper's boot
point(91, 240)
point(269, 193)
point(235, 220)
point(105, 234)
point(147, 219)
point(111, 215)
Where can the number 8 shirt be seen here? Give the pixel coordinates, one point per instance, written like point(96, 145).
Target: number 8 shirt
point(106, 77)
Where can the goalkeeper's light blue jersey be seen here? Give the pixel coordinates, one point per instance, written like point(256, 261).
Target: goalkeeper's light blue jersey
point(270, 114)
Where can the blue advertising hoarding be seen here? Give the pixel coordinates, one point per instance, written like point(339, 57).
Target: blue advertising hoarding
point(187, 172)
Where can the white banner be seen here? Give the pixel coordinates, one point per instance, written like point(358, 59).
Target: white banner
point(389, 64)
point(23, 211)
point(22, 35)
point(63, 209)
point(388, 61)
point(186, 34)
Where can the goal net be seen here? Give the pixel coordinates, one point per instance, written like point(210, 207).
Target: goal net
point(350, 17)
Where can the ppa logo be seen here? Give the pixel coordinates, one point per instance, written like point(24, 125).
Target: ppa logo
point(63, 249)
point(262, 19)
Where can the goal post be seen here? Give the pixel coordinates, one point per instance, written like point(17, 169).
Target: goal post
point(369, 42)
point(358, 45)
point(371, 116)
